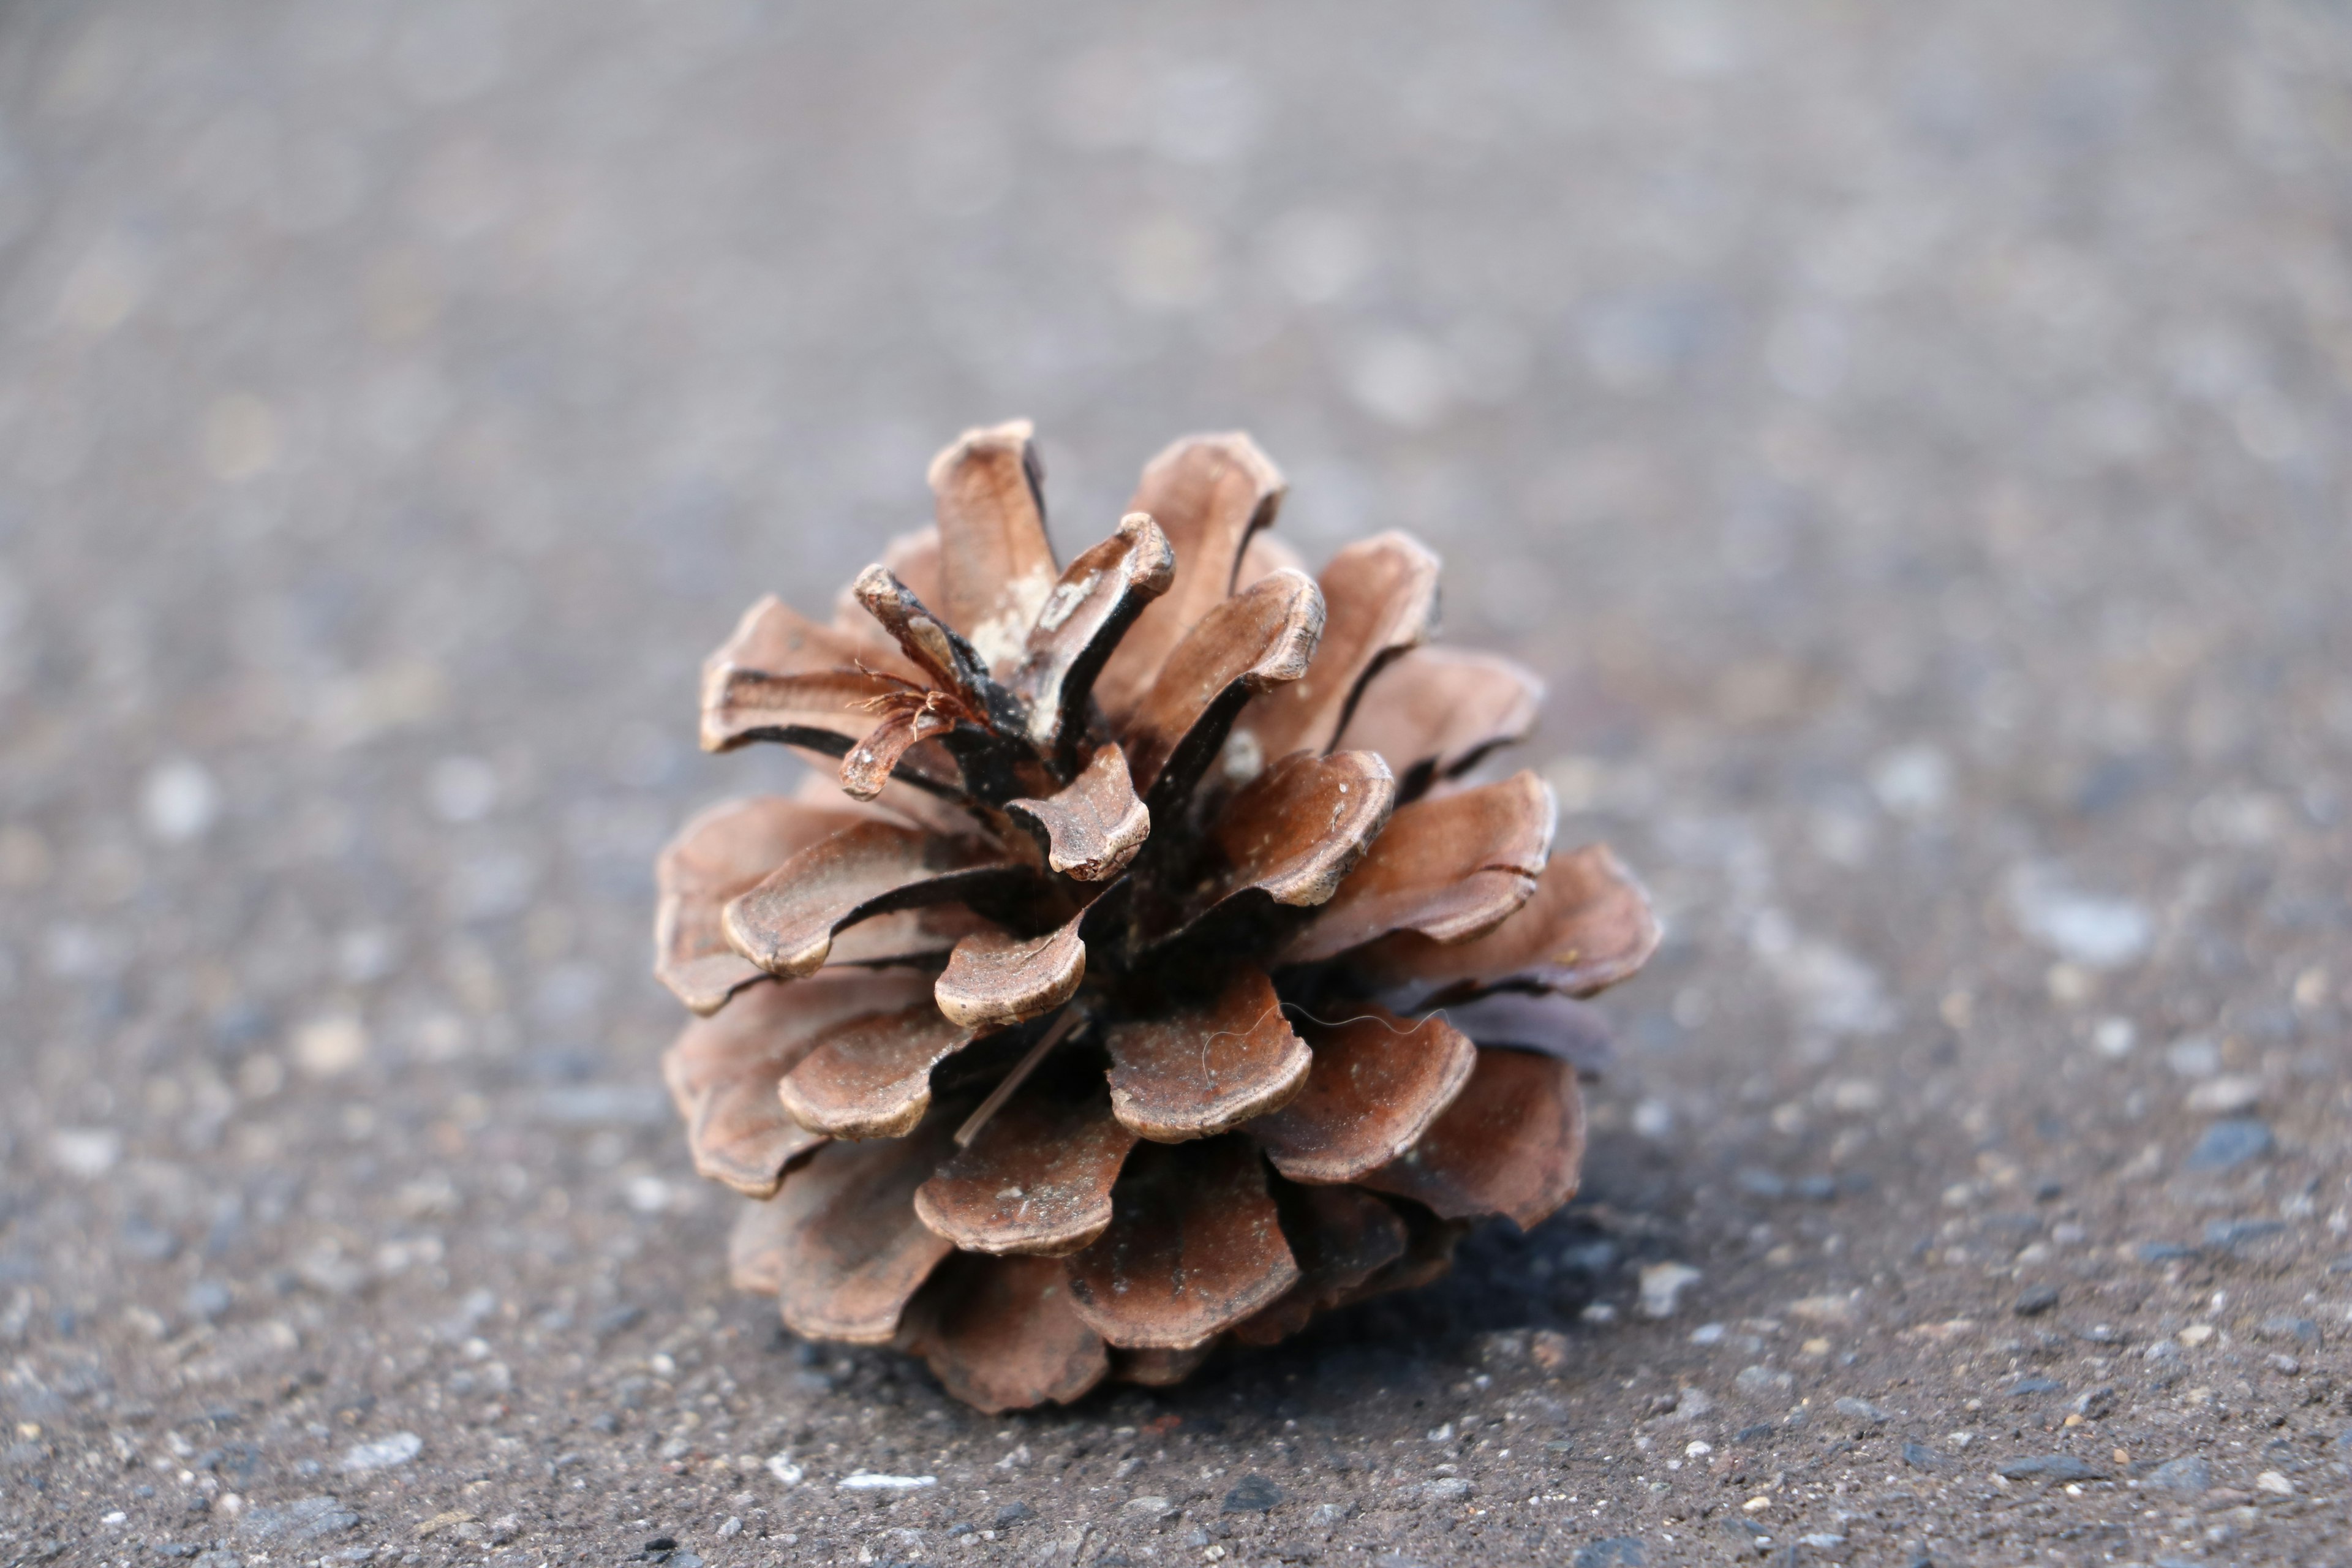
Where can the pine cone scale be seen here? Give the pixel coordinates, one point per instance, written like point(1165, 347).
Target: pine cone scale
point(996, 565)
point(853, 1252)
point(1435, 712)
point(1262, 637)
point(786, 922)
point(1340, 1238)
point(1509, 1144)
point(1003, 1335)
point(1092, 827)
point(870, 1077)
point(1209, 495)
point(1378, 1083)
point(1381, 595)
point(724, 1073)
point(1199, 1068)
point(1194, 1246)
point(1451, 868)
point(1587, 927)
point(1037, 1178)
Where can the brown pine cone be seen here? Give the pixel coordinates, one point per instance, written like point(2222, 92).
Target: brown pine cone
point(1111, 1008)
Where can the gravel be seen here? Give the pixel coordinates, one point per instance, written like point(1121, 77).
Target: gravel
point(1913, 452)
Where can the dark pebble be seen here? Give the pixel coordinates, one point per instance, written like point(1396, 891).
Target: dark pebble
point(1748, 1533)
point(2190, 1476)
point(2164, 1251)
point(2304, 1331)
point(2238, 1232)
point(2026, 1387)
point(2052, 1468)
point(613, 1319)
point(1755, 1434)
point(1920, 1457)
point(661, 1543)
point(2093, 1405)
point(1013, 1513)
point(2036, 1299)
point(144, 1239)
point(1611, 1551)
point(2229, 1144)
point(307, 1518)
point(1254, 1494)
point(1862, 1410)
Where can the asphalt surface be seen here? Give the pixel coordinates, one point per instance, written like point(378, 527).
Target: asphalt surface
point(1909, 440)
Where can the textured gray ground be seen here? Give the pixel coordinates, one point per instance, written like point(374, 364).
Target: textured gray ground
point(1910, 439)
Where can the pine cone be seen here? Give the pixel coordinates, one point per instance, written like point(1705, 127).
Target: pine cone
point(1110, 1007)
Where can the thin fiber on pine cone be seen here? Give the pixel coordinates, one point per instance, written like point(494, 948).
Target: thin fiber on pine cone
point(1154, 976)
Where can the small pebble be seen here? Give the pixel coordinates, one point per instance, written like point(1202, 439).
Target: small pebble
point(2229, 1144)
point(1253, 1494)
point(2053, 1467)
point(2185, 1477)
point(2036, 1299)
point(2305, 1331)
point(2228, 1233)
point(1662, 1285)
point(2226, 1096)
point(383, 1454)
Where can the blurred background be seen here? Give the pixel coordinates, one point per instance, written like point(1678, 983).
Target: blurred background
point(1909, 441)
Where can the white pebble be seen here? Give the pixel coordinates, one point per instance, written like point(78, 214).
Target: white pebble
point(462, 789)
point(2227, 1095)
point(86, 1151)
point(332, 1045)
point(2096, 932)
point(383, 1454)
point(870, 1481)
point(179, 802)
point(1662, 1285)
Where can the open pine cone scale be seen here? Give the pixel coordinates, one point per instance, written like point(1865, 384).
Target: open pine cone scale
point(1152, 977)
